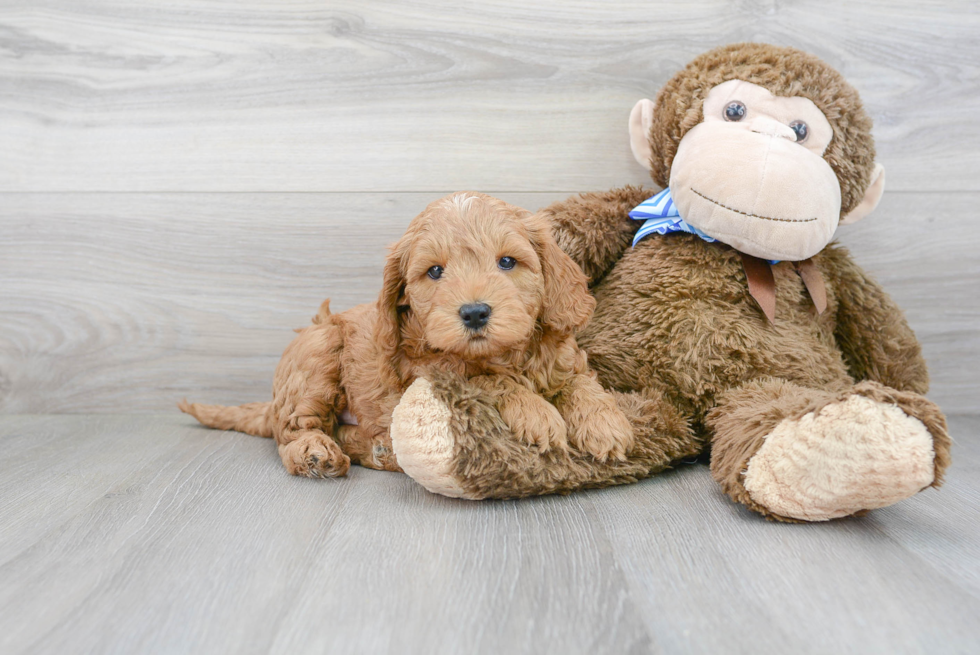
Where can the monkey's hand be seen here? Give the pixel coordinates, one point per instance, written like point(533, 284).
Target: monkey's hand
point(871, 329)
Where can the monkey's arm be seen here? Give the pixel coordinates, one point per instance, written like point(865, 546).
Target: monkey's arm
point(594, 229)
point(871, 331)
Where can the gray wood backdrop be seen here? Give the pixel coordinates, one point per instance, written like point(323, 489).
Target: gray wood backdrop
point(182, 182)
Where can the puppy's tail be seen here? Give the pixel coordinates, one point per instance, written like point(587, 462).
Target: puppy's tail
point(251, 418)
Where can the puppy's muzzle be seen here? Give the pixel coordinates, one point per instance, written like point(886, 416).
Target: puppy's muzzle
point(475, 315)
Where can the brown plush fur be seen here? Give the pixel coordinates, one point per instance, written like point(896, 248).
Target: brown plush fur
point(676, 333)
point(784, 72)
point(745, 416)
point(363, 359)
point(489, 463)
point(695, 363)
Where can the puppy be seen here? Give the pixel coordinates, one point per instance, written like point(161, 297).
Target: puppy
point(475, 286)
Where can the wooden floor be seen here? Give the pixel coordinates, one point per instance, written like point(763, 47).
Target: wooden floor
point(127, 534)
point(183, 182)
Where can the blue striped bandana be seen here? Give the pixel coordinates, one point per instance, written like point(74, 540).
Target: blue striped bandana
point(661, 216)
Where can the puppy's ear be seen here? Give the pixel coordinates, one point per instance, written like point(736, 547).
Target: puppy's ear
point(568, 305)
point(387, 329)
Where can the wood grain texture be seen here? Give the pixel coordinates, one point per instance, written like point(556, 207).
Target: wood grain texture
point(128, 302)
point(923, 249)
point(204, 95)
point(181, 183)
point(127, 534)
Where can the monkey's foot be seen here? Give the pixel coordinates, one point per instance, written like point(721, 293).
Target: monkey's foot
point(849, 456)
point(423, 440)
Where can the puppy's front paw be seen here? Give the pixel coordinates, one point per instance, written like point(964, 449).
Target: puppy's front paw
point(533, 419)
point(314, 455)
point(601, 430)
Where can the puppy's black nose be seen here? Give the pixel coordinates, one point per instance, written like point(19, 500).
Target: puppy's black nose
point(475, 315)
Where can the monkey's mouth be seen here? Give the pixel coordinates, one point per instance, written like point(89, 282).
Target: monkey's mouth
point(739, 211)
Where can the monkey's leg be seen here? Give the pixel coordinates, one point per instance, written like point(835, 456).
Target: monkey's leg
point(797, 454)
point(447, 435)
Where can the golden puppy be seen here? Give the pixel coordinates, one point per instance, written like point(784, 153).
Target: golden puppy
point(475, 286)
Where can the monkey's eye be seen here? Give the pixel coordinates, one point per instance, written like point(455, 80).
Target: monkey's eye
point(735, 111)
point(802, 132)
point(435, 272)
point(507, 263)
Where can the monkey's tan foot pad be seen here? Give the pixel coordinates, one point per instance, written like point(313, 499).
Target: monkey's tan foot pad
point(423, 440)
point(853, 455)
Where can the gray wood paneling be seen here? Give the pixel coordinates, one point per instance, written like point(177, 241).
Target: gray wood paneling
point(202, 95)
point(128, 302)
point(126, 534)
point(133, 285)
point(923, 248)
point(181, 183)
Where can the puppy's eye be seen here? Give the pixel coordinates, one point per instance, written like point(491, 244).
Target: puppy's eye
point(435, 272)
point(507, 263)
point(802, 132)
point(735, 111)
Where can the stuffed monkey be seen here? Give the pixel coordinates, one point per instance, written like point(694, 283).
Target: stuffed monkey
point(724, 320)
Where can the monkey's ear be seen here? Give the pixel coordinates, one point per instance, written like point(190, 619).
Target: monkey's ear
point(641, 118)
point(871, 197)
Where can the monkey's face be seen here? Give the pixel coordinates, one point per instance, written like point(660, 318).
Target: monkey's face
point(758, 164)
point(752, 173)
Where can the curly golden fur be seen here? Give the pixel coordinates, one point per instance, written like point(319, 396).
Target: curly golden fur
point(524, 357)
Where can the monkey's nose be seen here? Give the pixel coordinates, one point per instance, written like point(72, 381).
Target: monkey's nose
point(771, 127)
point(475, 315)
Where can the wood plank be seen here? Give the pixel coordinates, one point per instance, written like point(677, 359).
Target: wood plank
point(128, 302)
point(195, 541)
point(924, 527)
point(922, 248)
point(713, 576)
point(202, 95)
point(212, 547)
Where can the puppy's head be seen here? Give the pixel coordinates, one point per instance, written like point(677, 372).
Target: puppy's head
point(477, 276)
